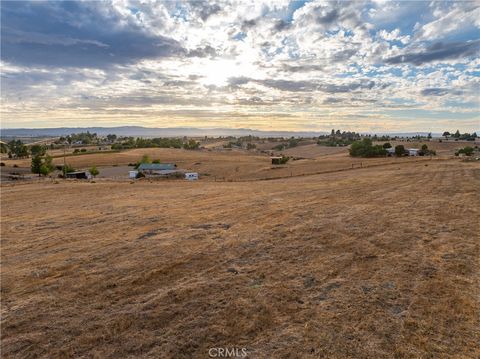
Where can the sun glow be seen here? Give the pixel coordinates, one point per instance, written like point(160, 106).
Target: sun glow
point(219, 71)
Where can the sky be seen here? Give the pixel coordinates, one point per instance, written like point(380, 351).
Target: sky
point(368, 66)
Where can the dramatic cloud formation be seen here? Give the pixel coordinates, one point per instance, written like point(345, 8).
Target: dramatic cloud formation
point(273, 64)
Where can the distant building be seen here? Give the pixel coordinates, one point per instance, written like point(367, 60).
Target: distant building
point(413, 152)
point(79, 175)
point(156, 168)
point(276, 160)
point(132, 174)
point(191, 176)
point(390, 151)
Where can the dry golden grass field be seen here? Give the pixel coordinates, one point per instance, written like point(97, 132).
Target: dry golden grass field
point(376, 262)
point(242, 165)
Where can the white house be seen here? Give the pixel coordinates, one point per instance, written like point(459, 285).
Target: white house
point(191, 176)
point(390, 151)
point(132, 174)
point(413, 151)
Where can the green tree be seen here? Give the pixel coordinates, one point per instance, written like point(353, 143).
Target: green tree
point(457, 134)
point(429, 136)
point(446, 134)
point(42, 165)
point(94, 171)
point(424, 147)
point(68, 169)
point(17, 149)
point(468, 151)
point(3, 147)
point(38, 150)
point(146, 159)
point(365, 148)
point(44, 170)
point(48, 161)
point(400, 150)
point(387, 145)
point(191, 145)
point(36, 164)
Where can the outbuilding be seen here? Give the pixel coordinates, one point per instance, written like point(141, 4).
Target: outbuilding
point(132, 174)
point(79, 175)
point(276, 160)
point(191, 176)
point(413, 151)
point(156, 168)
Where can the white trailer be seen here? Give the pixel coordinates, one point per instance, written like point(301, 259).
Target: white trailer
point(132, 174)
point(191, 176)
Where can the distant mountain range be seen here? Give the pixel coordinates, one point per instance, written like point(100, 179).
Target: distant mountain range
point(139, 131)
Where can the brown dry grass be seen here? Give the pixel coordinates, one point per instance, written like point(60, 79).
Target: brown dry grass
point(237, 165)
point(373, 263)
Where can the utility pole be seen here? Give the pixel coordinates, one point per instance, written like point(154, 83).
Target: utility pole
point(64, 161)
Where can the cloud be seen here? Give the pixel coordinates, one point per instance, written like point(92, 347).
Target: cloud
point(306, 85)
point(204, 9)
point(462, 16)
point(152, 60)
point(206, 51)
point(301, 68)
point(45, 34)
point(438, 52)
point(435, 91)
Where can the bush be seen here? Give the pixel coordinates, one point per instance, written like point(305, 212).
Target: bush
point(94, 171)
point(364, 148)
point(2, 164)
point(76, 150)
point(467, 151)
point(191, 145)
point(387, 145)
point(140, 175)
point(68, 168)
point(83, 150)
point(400, 150)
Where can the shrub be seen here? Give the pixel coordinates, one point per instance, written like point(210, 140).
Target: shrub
point(2, 164)
point(83, 150)
point(364, 148)
point(387, 145)
point(94, 171)
point(140, 175)
point(191, 145)
point(467, 151)
point(284, 160)
point(400, 150)
point(145, 159)
point(69, 168)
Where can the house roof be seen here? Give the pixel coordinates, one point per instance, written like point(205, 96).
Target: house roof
point(156, 166)
point(77, 172)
